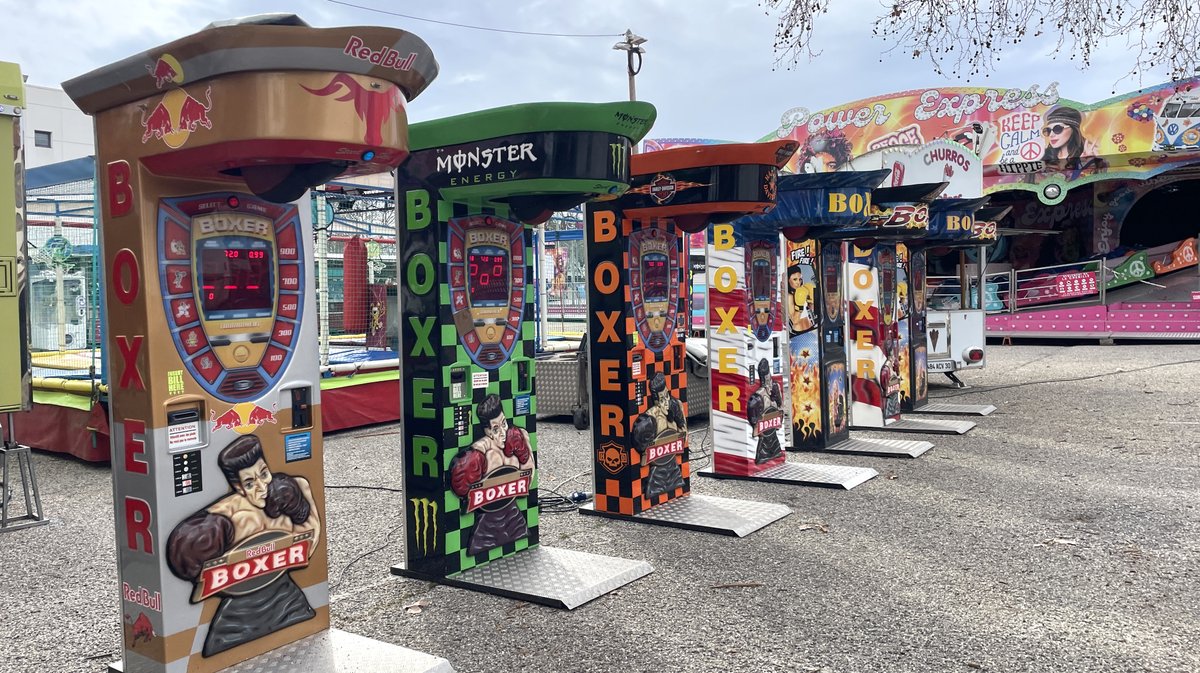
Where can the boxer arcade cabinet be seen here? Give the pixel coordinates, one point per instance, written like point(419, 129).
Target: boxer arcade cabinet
point(465, 196)
point(638, 323)
point(217, 458)
point(748, 316)
point(955, 225)
point(809, 340)
point(876, 361)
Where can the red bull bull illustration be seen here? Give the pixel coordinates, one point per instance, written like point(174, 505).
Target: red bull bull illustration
point(157, 124)
point(193, 113)
point(242, 418)
point(176, 117)
point(166, 70)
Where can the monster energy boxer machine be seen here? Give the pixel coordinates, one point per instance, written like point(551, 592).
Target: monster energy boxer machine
point(465, 196)
point(811, 360)
point(204, 147)
point(637, 325)
point(899, 214)
point(955, 224)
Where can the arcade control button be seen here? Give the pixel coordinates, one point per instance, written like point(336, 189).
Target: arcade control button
point(289, 305)
point(241, 353)
point(273, 360)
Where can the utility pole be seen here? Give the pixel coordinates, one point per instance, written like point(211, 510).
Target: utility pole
point(632, 45)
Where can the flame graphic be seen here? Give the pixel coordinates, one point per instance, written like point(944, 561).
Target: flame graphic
point(372, 106)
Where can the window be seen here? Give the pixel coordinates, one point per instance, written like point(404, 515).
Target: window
point(41, 138)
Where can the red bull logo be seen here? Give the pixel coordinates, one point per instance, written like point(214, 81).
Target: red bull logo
point(142, 629)
point(166, 70)
point(176, 117)
point(244, 418)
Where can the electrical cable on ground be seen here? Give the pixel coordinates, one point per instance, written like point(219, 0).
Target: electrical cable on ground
point(988, 389)
point(346, 568)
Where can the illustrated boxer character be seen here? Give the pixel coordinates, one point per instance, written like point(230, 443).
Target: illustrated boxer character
point(801, 316)
point(490, 475)
point(658, 434)
point(243, 546)
point(764, 413)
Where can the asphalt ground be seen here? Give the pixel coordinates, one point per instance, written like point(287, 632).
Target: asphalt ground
point(1061, 534)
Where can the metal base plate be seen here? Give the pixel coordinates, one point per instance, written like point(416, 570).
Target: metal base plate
point(955, 409)
point(804, 474)
point(885, 448)
point(336, 651)
point(724, 516)
point(924, 426)
point(560, 578)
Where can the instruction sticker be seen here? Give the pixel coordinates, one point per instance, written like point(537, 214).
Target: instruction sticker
point(521, 405)
point(479, 379)
point(183, 435)
point(297, 446)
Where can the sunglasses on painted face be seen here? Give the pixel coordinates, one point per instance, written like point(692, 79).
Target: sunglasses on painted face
point(1056, 129)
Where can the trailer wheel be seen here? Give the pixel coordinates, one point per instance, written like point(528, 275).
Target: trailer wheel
point(580, 417)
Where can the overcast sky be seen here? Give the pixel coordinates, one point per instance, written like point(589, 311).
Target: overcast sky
point(708, 67)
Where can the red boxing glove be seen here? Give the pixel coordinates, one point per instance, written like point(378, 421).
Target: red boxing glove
point(515, 444)
point(468, 468)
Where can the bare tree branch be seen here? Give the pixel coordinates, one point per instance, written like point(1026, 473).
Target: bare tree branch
point(969, 37)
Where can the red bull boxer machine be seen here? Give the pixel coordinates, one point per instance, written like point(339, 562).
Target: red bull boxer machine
point(899, 214)
point(784, 345)
point(465, 197)
point(638, 323)
point(954, 224)
point(204, 147)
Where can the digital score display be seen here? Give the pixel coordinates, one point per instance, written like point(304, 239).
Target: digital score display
point(235, 280)
point(487, 276)
point(760, 280)
point(654, 277)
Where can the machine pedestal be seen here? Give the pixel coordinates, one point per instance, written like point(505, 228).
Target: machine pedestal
point(334, 651)
point(804, 474)
point(924, 426)
point(724, 516)
point(886, 448)
point(560, 578)
point(955, 409)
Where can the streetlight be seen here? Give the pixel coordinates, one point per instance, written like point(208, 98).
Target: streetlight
point(632, 45)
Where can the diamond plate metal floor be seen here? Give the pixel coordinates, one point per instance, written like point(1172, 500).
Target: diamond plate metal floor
point(336, 651)
point(724, 516)
point(804, 474)
point(560, 578)
point(924, 426)
point(955, 409)
point(884, 448)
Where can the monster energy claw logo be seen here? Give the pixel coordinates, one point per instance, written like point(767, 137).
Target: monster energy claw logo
point(618, 154)
point(426, 534)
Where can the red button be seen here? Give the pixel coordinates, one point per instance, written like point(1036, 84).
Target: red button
point(283, 332)
point(273, 359)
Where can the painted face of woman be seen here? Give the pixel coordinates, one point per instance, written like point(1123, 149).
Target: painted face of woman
point(1057, 134)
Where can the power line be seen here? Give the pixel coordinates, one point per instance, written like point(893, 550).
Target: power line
point(463, 25)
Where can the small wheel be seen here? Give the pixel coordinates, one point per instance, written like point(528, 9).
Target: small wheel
point(580, 418)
